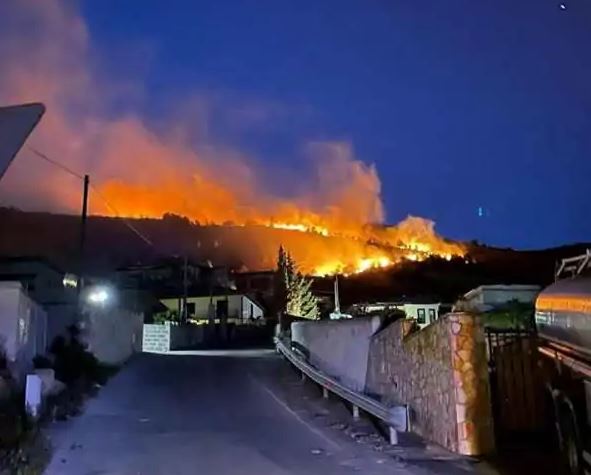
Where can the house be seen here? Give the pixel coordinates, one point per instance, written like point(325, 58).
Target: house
point(259, 283)
point(42, 279)
point(171, 276)
point(488, 297)
point(423, 310)
point(23, 328)
point(203, 306)
point(44, 282)
point(424, 313)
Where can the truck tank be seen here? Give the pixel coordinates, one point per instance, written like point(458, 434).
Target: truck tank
point(563, 309)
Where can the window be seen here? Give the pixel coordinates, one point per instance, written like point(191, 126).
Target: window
point(432, 316)
point(421, 316)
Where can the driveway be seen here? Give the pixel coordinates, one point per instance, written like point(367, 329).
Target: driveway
point(203, 413)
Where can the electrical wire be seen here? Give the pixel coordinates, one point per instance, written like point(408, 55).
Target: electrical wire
point(96, 191)
point(56, 163)
point(125, 220)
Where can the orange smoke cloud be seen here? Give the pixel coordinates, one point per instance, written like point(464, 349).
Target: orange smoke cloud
point(142, 172)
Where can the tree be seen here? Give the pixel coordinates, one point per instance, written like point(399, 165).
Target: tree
point(295, 288)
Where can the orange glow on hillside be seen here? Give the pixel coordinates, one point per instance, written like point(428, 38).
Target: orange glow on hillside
point(354, 247)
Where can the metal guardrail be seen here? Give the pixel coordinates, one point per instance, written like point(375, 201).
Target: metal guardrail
point(395, 417)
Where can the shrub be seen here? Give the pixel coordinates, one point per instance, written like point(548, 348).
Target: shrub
point(72, 361)
point(42, 362)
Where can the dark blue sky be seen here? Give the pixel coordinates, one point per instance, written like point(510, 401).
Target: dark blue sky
point(460, 104)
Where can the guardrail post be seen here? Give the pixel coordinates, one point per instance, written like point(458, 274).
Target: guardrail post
point(355, 412)
point(325, 393)
point(393, 436)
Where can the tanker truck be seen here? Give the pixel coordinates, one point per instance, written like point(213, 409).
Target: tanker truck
point(563, 322)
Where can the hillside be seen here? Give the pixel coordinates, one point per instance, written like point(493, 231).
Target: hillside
point(111, 243)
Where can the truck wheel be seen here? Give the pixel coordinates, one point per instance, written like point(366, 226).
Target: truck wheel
point(571, 448)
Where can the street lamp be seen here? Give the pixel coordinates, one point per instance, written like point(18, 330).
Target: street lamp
point(98, 295)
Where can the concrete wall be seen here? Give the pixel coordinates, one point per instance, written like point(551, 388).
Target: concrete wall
point(338, 347)
point(112, 334)
point(441, 373)
point(23, 328)
point(185, 336)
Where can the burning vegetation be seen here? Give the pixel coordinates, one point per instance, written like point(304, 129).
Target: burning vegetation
point(322, 246)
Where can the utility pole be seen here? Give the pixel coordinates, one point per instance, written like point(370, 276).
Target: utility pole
point(185, 290)
point(83, 233)
point(337, 305)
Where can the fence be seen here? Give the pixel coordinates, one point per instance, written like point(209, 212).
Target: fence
point(516, 384)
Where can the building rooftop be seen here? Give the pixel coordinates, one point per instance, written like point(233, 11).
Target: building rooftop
point(501, 288)
point(25, 259)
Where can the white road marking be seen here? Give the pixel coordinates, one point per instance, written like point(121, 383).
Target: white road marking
point(297, 416)
point(255, 353)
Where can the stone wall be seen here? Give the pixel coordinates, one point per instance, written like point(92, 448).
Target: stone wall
point(340, 348)
point(441, 373)
point(156, 338)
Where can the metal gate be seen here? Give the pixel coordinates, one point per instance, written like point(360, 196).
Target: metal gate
point(516, 384)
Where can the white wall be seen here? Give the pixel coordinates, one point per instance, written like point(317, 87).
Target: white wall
point(338, 347)
point(112, 334)
point(23, 328)
point(9, 297)
point(251, 309)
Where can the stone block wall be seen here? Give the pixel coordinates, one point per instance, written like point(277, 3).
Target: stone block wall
point(156, 338)
point(441, 373)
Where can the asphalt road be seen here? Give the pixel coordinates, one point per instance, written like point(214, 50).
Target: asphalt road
point(207, 413)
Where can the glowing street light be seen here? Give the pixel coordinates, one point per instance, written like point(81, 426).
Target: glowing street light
point(98, 296)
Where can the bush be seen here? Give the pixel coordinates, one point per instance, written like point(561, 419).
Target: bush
point(72, 361)
point(42, 362)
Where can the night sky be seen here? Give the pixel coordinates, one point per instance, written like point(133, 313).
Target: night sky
point(477, 114)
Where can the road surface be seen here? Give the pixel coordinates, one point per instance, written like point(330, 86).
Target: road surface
point(206, 413)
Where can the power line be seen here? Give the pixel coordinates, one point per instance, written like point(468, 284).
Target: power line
point(125, 220)
point(56, 163)
point(98, 193)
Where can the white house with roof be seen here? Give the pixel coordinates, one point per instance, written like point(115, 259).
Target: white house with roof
point(487, 297)
point(43, 282)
